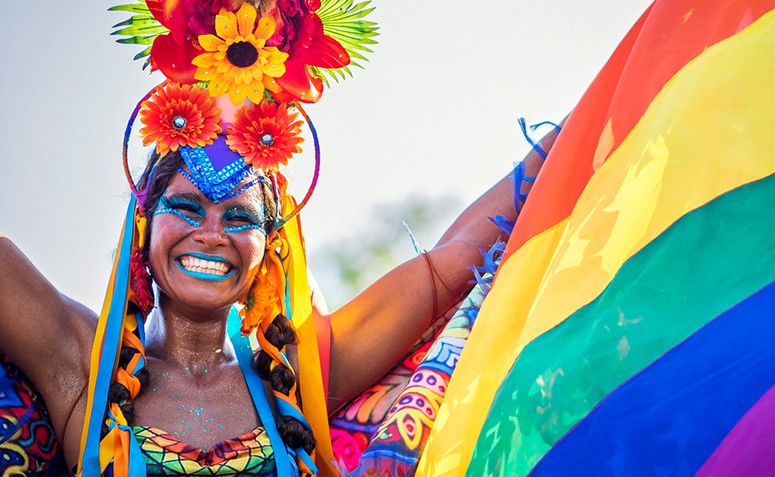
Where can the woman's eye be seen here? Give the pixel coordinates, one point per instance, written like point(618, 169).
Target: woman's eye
point(237, 216)
point(240, 219)
point(187, 208)
point(188, 211)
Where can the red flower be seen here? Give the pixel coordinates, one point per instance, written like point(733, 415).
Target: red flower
point(300, 34)
point(179, 115)
point(140, 280)
point(266, 135)
point(172, 53)
point(174, 59)
point(201, 14)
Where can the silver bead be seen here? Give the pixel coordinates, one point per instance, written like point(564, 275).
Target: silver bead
point(179, 122)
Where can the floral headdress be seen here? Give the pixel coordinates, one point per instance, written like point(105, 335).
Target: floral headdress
point(236, 74)
point(241, 69)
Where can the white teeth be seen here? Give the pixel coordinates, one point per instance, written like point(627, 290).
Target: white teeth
point(198, 265)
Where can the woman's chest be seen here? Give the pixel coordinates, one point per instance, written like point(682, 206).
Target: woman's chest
point(196, 407)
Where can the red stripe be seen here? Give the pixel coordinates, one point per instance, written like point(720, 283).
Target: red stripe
point(665, 38)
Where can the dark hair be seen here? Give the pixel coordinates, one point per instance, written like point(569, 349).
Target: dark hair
point(280, 333)
point(117, 392)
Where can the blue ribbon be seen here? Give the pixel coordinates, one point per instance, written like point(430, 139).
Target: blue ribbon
point(244, 352)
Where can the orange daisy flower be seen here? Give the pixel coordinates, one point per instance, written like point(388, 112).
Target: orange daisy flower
point(266, 135)
point(179, 115)
point(237, 60)
point(261, 304)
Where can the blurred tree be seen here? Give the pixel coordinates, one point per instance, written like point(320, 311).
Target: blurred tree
point(345, 267)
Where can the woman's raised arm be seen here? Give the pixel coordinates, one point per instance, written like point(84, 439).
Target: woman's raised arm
point(374, 330)
point(43, 332)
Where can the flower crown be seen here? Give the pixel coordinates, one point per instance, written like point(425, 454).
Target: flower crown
point(241, 69)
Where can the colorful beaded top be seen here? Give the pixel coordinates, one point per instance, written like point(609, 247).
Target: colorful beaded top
point(248, 454)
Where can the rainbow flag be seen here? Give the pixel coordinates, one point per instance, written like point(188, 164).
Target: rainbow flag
point(630, 326)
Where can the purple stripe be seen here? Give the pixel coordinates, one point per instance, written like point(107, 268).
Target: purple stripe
point(748, 448)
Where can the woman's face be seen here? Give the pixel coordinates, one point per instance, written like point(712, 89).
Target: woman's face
point(204, 256)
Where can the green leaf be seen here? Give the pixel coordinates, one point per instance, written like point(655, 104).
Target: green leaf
point(335, 74)
point(137, 40)
point(143, 54)
point(137, 20)
point(343, 21)
point(136, 30)
point(139, 29)
point(134, 8)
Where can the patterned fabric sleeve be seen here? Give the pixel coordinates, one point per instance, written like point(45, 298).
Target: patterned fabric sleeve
point(384, 430)
point(28, 445)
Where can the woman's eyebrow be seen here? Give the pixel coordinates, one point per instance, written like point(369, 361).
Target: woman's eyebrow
point(188, 196)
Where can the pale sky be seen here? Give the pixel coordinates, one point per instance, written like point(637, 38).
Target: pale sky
point(434, 113)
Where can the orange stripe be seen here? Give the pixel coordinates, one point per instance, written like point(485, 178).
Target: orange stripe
point(95, 356)
point(310, 377)
point(665, 38)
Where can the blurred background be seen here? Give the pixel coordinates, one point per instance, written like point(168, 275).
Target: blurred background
point(423, 130)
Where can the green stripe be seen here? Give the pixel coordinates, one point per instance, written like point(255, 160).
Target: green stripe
point(702, 265)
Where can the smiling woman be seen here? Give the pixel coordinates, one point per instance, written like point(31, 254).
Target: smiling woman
point(211, 328)
point(192, 237)
point(633, 299)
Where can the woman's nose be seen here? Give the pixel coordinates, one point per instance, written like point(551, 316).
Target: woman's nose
point(211, 232)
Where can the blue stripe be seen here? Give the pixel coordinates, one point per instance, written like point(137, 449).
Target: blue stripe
point(257, 392)
point(669, 418)
point(112, 339)
point(136, 459)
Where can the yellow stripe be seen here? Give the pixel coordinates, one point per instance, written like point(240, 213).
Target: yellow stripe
point(95, 355)
point(106, 446)
point(707, 132)
point(311, 381)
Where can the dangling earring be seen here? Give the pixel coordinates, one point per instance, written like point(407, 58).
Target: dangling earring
point(140, 281)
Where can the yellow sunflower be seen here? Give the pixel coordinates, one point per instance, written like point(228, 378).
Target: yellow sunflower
point(237, 60)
